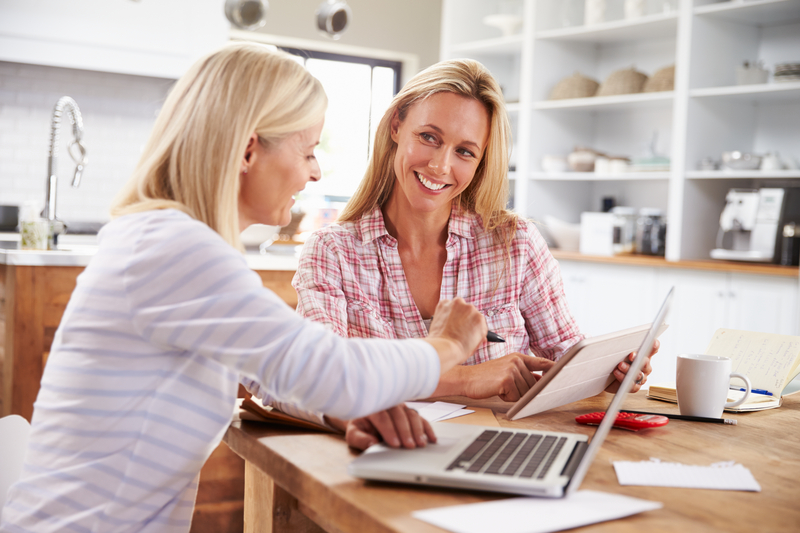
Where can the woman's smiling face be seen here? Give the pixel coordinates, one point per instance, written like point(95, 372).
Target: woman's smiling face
point(275, 173)
point(439, 147)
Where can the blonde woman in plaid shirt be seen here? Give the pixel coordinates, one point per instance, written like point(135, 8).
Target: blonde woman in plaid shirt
point(428, 222)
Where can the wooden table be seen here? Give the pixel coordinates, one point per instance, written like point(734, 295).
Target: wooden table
point(292, 476)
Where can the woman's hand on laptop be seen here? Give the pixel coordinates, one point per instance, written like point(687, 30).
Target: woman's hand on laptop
point(508, 377)
point(622, 370)
point(398, 427)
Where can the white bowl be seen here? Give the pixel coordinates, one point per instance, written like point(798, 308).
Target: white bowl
point(554, 163)
point(566, 236)
point(737, 160)
point(508, 24)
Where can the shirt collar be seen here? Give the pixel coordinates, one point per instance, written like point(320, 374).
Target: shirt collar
point(461, 222)
point(372, 226)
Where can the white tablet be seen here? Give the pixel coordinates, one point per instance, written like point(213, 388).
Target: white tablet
point(584, 371)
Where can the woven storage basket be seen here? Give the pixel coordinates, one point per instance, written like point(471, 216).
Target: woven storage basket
point(625, 81)
point(575, 86)
point(662, 80)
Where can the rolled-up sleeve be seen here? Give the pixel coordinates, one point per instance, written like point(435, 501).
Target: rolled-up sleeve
point(318, 282)
point(548, 319)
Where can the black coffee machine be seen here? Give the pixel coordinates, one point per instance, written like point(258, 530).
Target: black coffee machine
point(787, 243)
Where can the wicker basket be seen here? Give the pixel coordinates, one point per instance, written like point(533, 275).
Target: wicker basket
point(625, 81)
point(575, 86)
point(662, 80)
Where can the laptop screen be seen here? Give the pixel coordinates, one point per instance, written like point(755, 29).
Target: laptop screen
point(627, 384)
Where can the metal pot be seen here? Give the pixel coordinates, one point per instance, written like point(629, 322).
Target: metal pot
point(247, 14)
point(333, 17)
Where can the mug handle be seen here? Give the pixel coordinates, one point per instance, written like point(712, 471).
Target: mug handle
point(741, 400)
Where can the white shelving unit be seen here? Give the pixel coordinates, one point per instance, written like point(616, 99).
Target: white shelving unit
point(705, 115)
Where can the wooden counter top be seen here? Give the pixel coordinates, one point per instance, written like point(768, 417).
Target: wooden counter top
point(301, 475)
point(713, 265)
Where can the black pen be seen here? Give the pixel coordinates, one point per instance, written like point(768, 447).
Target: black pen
point(494, 337)
point(729, 421)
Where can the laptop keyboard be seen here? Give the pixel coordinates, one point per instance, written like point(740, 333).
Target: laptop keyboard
point(508, 453)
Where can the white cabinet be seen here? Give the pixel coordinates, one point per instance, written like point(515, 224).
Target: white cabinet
point(606, 298)
point(151, 38)
point(699, 308)
point(705, 114)
point(759, 303)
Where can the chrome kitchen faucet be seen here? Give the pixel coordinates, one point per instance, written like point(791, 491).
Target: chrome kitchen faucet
point(76, 151)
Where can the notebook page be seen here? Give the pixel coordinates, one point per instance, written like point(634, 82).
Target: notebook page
point(769, 360)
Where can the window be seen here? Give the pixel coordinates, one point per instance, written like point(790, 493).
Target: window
point(359, 91)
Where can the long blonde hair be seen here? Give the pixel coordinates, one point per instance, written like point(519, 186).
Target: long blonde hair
point(192, 159)
point(487, 194)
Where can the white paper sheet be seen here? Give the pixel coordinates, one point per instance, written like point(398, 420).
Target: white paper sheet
point(438, 411)
point(535, 515)
point(654, 473)
point(455, 414)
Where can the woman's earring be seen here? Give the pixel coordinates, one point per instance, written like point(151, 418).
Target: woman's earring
point(245, 171)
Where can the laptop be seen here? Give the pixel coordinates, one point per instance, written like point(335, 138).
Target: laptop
point(516, 461)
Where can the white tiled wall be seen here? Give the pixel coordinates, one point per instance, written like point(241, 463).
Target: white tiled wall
point(118, 112)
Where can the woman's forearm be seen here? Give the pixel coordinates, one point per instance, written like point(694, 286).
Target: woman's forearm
point(452, 382)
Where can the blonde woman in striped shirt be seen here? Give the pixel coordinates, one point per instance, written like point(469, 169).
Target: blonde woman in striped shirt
point(143, 372)
point(429, 222)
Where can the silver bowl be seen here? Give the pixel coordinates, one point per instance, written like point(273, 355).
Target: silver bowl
point(737, 160)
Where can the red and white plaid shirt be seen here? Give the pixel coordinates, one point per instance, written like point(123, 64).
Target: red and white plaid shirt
point(351, 279)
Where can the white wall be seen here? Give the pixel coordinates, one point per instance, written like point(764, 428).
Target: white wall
point(409, 26)
point(119, 110)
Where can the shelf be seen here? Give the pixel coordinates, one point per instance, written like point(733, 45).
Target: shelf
point(780, 92)
point(496, 46)
point(753, 12)
point(741, 267)
point(593, 176)
point(741, 174)
point(643, 28)
point(705, 115)
point(622, 101)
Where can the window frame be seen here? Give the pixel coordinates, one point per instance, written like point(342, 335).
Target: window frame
point(410, 62)
point(372, 62)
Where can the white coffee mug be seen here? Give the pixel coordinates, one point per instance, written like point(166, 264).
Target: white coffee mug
point(703, 382)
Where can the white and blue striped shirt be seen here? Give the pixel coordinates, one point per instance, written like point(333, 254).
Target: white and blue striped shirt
point(143, 372)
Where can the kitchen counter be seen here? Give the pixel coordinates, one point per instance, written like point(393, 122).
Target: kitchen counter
point(35, 287)
point(767, 269)
point(79, 256)
point(77, 250)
